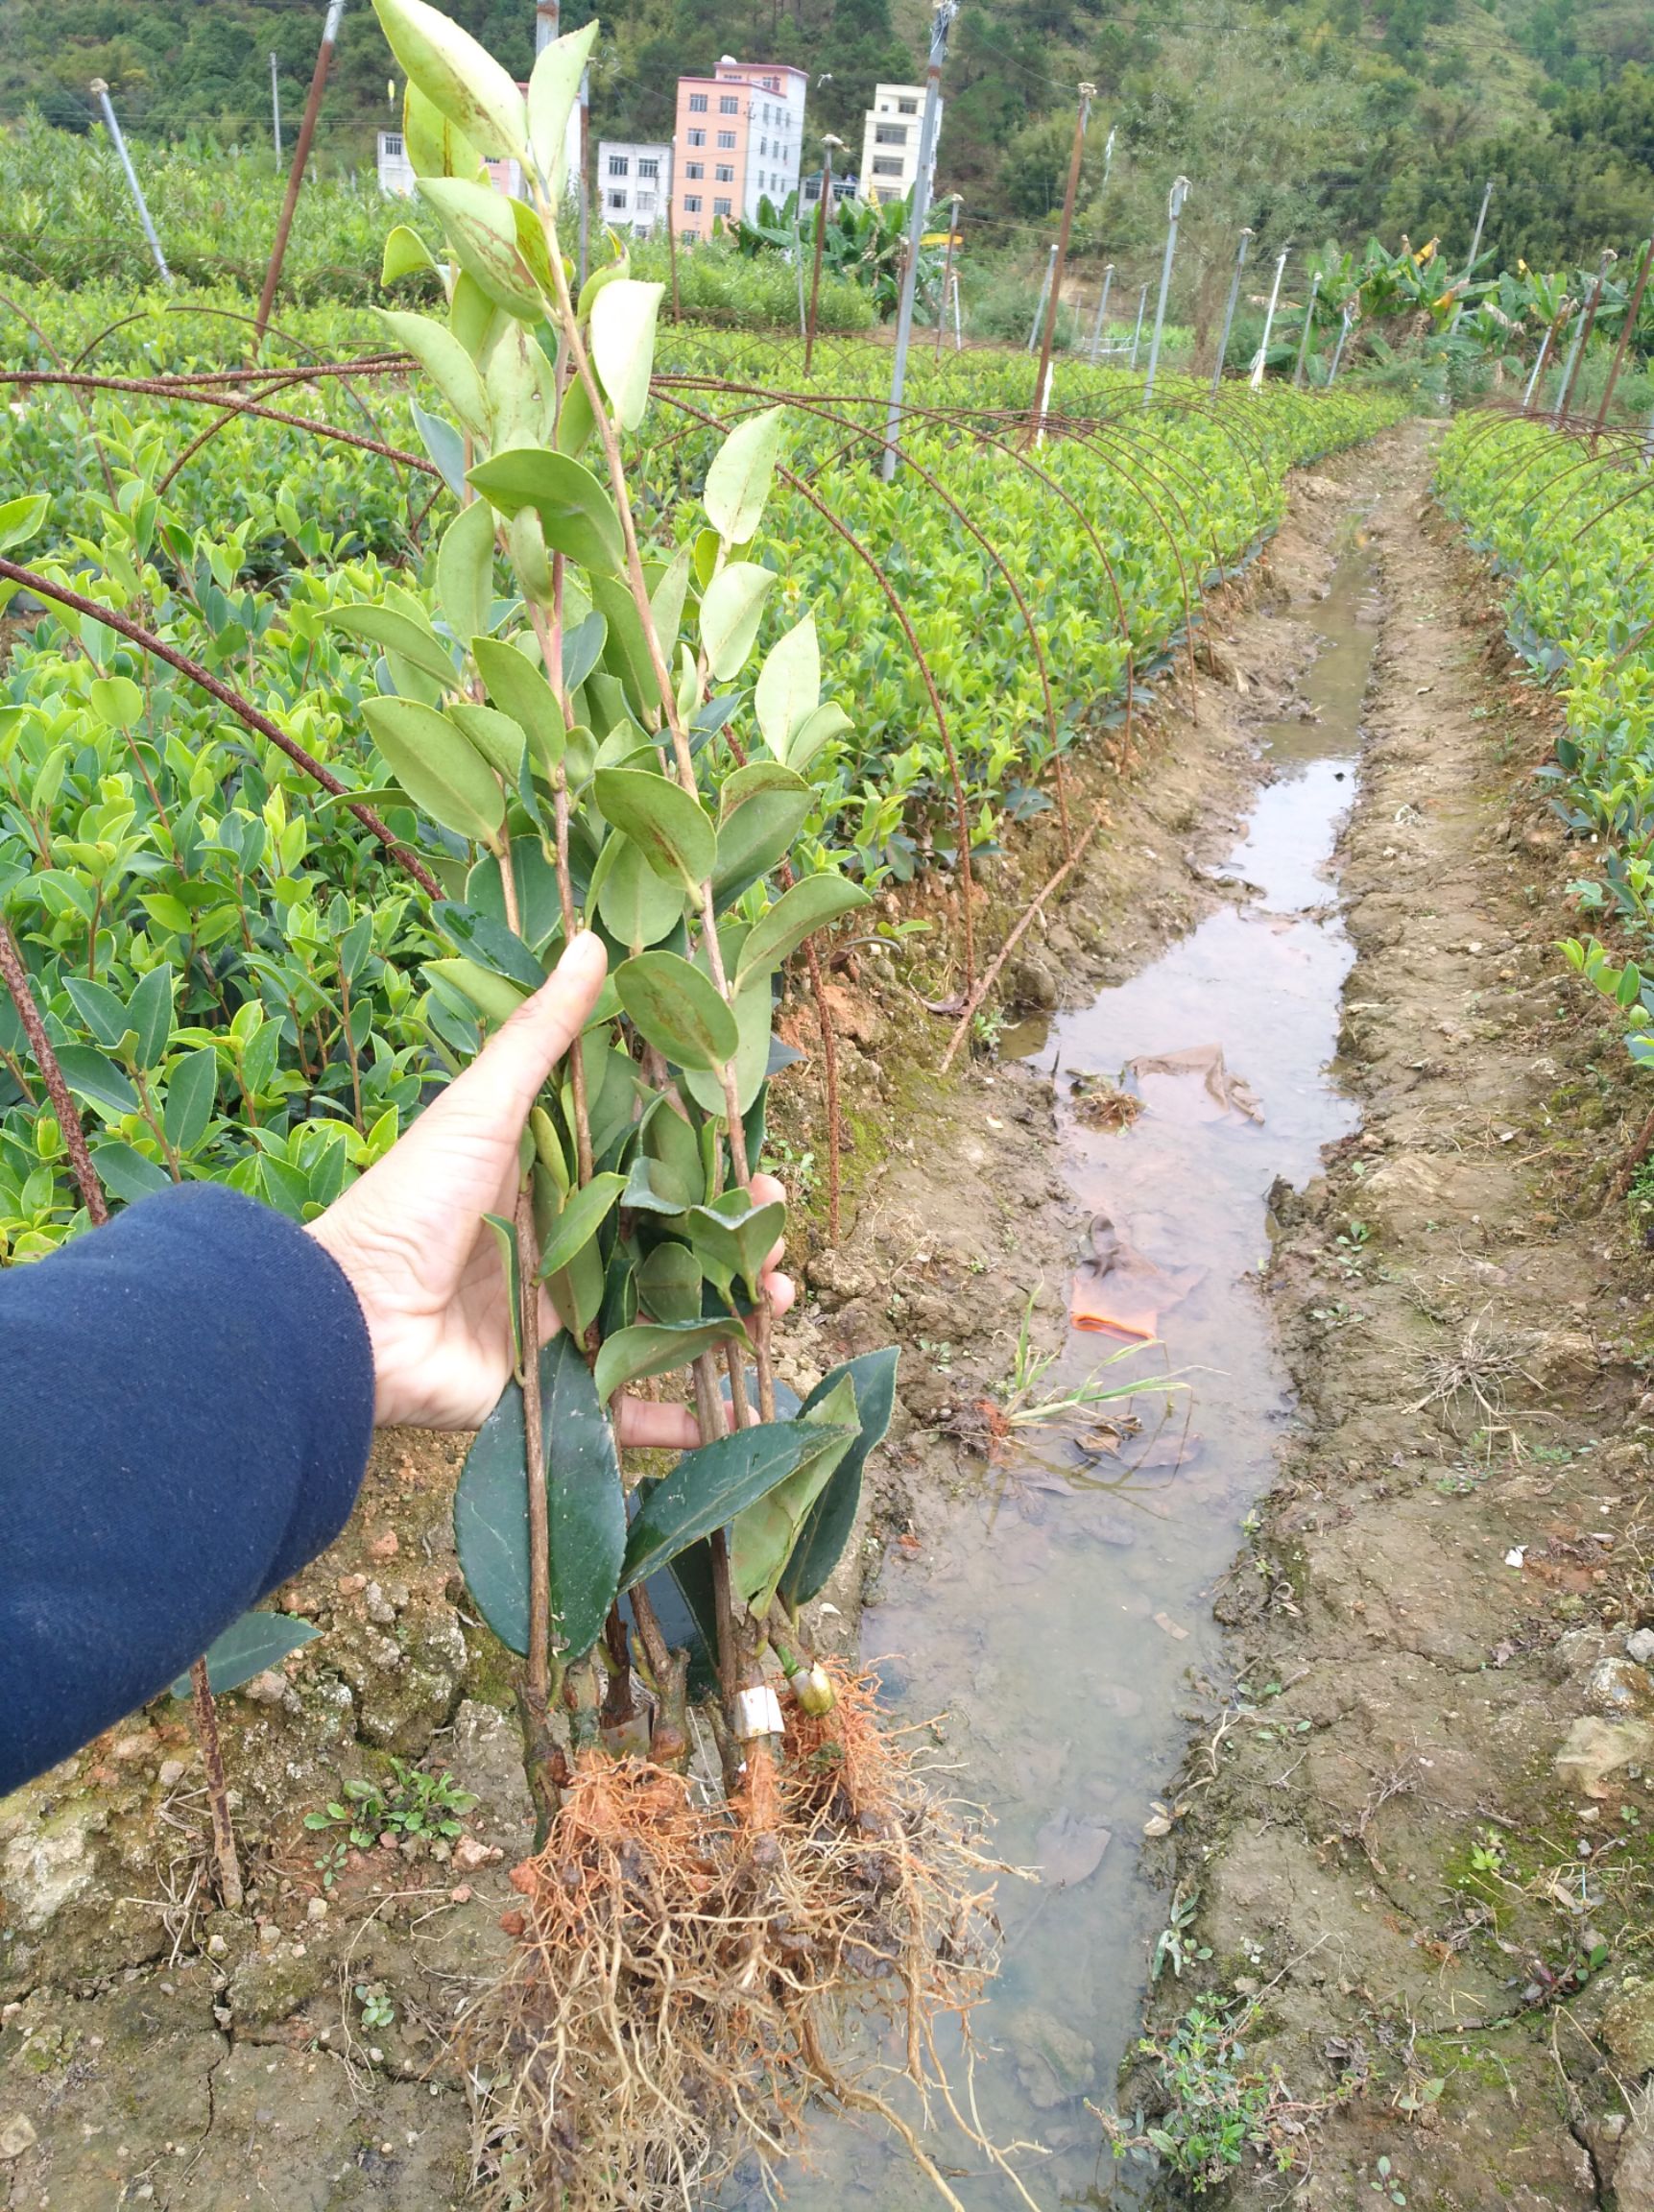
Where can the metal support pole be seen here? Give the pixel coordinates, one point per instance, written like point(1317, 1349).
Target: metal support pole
point(275, 107)
point(1583, 333)
point(1229, 312)
point(300, 160)
point(1040, 310)
point(1539, 361)
point(672, 256)
point(546, 17)
point(1137, 334)
point(1632, 311)
point(1338, 350)
point(1102, 311)
point(1173, 210)
point(1257, 366)
point(1475, 249)
point(102, 91)
point(1309, 326)
point(585, 174)
point(1043, 384)
point(954, 204)
point(799, 269)
point(940, 24)
point(958, 326)
point(827, 145)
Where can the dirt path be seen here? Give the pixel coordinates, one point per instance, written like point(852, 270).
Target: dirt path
point(1421, 1830)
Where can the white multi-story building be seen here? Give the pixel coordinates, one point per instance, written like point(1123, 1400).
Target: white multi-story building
point(739, 139)
point(633, 183)
point(890, 142)
point(396, 171)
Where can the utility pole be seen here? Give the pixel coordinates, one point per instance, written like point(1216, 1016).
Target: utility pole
point(1040, 310)
point(1308, 326)
point(1229, 312)
point(829, 142)
point(1257, 367)
point(300, 160)
point(1102, 311)
point(954, 204)
point(102, 92)
point(275, 107)
point(1175, 199)
point(1632, 311)
point(940, 24)
point(1043, 382)
point(1475, 249)
point(546, 17)
point(1583, 333)
point(1137, 334)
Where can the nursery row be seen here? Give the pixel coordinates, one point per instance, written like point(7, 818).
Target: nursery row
point(1564, 521)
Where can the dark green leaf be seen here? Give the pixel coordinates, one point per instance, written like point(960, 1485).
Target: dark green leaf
point(656, 1349)
point(494, 996)
point(763, 808)
point(520, 689)
point(826, 1530)
point(580, 1220)
point(465, 570)
point(481, 938)
point(809, 906)
point(669, 1284)
point(247, 1648)
point(104, 1014)
point(584, 1505)
point(510, 1267)
point(128, 1173)
point(733, 1236)
point(437, 767)
point(762, 1539)
point(398, 634)
point(89, 1075)
point(669, 823)
point(709, 1487)
point(490, 1518)
point(677, 1009)
point(148, 1011)
point(191, 1095)
point(636, 905)
point(576, 513)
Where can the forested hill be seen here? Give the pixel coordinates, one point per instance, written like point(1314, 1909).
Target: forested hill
point(1302, 115)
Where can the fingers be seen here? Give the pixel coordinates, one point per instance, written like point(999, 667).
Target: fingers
point(647, 1426)
point(782, 1290)
point(504, 1080)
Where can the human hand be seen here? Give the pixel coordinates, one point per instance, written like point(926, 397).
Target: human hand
point(426, 1267)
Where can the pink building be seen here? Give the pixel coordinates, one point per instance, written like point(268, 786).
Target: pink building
point(739, 138)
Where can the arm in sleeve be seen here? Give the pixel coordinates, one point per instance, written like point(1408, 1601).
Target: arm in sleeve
point(187, 1404)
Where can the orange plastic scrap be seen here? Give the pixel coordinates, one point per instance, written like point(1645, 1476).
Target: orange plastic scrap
point(1092, 1308)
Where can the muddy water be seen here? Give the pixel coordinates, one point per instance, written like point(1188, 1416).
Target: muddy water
point(1060, 1611)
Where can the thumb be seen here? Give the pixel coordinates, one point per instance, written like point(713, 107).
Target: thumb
point(503, 1081)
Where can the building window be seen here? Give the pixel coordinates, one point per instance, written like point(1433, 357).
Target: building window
point(391, 144)
point(648, 168)
point(885, 165)
point(619, 165)
point(691, 202)
point(697, 137)
point(645, 202)
point(723, 174)
point(617, 200)
point(729, 104)
point(726, 141)
point(884, 196)
point(694, 171)
point(697, 103)
point(720, 206)
point(907, 107)
point(890, 133)
point(770, 84)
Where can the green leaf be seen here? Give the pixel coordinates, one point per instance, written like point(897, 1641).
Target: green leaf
point(519, 688)
point(491, 1517)
point(399, 633)
point(117, 701)
point(669, 1284)
point(434, 146)
point(247, 1648)
point(21, 518)
point(789, 685)
point(148, 1011)
point(552, 91)
point(482, 230)
point(128, 1173)
point(626, 649)
point(583, 649)
point(482, 938)
point(89, 1075)
point(667, 602)
point(623, 318)
point(492, 995)
point(734, 1235)
point(586, 1505)
point(827, 722)
point(99, 1008)
point(539, 905)
point(652, 1348)
point(405, 252)
point(764, 806)
point(465, 570)
point(668, 823)
point(731, 609)
point(445, 361)
point(667, 1140)
point(677, 1009)
point(510, 1267)
point(738, 481)
point(763, 1538)
point(577, 423)
point(576, 1290)
point(650, 1191)
point(809, 906)
point(497, 740)
point(636, 906)
point(754, 1012)
point(709, 1487)
point(437, 767)
point(461, 79)
point(578, 1222)
point(827, 1527)
point(576, 513)
point(191, 1095)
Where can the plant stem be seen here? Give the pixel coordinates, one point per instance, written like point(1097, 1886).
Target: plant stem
point(218, 1793)
point(15, 976)
point(539, 1679)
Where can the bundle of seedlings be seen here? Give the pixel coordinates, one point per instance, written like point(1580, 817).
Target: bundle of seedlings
point(581, 751)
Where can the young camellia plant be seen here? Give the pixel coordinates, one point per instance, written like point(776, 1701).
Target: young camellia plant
point(587, 753)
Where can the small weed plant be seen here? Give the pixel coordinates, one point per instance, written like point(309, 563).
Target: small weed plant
point(409, 1803)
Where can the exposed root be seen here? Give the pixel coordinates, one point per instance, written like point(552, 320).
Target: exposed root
point(685, 1972)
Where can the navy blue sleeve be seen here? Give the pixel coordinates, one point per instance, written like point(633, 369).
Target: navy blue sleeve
point(187, 1404)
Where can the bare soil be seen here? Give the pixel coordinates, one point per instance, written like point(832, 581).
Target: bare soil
point(1468, 1365)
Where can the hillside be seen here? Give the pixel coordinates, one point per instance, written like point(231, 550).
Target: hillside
point(1298, 116)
